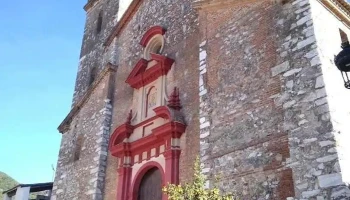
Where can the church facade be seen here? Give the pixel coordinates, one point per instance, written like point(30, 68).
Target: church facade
point(248, 86)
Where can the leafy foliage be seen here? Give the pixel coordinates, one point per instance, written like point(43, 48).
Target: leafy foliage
point(6, 183)
point(195, 190)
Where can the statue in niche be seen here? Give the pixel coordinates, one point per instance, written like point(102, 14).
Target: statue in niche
point(151, 100)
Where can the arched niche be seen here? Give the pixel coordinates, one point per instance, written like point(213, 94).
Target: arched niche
point(151, 100)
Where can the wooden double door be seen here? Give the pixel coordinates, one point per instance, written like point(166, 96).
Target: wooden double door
point(151, 185)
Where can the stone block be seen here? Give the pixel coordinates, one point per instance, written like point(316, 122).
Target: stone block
point(202, 55)
point(319, 82)
point(320, 102)
point(312, 193)
point(327, 158)
point(292, 72)
point(306, 42)
point(280, 68)
point(204, 135)
point(326, 143)
point(204, 125)
point(304, 20)
point(329, 180)
point(315, 61)
point(289, 104)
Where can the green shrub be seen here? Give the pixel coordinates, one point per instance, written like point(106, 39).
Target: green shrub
point(195, 190)
point(6, 183)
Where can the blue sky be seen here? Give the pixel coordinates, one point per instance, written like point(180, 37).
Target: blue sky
point(39, 51)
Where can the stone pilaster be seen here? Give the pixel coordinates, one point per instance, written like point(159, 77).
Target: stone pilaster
point(96, 183)
point(306, 111)
point(204, 109)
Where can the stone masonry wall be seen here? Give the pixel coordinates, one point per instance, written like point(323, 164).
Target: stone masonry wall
point(84, 178)
point(265, 128)
point(92, 50)
point(242, 136)
point(181, 44)
point(328, 39)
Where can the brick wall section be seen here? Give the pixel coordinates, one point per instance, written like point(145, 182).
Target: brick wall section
point(84, 178)
point(181, 44)
point(246, 144)
point(270, 131)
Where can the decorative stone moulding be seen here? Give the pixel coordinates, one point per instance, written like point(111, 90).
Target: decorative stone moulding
point(215, 4)
point(141, 76)
point(153, 139)
point(155, 30)
point(163, 135)
point(339, 7)
point(173, 129)
point(174, 100)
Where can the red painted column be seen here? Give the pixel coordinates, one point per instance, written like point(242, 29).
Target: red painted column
point(124, 182)
point(172, 157)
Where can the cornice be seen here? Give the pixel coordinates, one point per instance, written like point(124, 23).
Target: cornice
point(141, 76)
point(64, 126)
point(117, 145)
point(340, 8)
point(215, 4)
point(344, 4)
point(90, 4)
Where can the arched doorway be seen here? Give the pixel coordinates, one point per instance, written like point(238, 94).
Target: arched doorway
point(151, 185)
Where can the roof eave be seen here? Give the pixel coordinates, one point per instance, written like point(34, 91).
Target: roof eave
point(339, 8)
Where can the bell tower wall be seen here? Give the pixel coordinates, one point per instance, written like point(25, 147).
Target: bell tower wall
point(101, 17)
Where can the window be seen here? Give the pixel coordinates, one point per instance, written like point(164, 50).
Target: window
point(78, 146)
point(92, 77)
point(343, 36)
point(99, 23)
point(155, 45)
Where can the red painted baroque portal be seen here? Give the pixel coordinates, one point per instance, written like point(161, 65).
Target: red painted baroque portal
point(150, 137)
